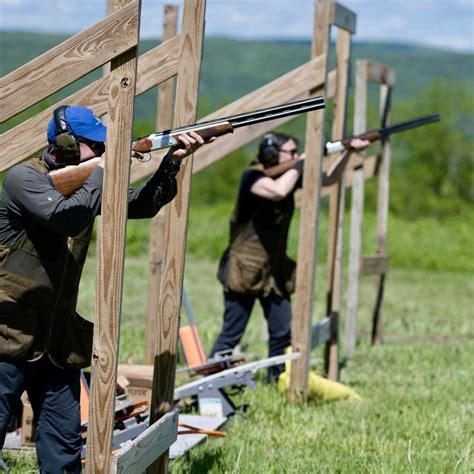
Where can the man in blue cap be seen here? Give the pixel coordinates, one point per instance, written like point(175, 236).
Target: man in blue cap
point(43, 245)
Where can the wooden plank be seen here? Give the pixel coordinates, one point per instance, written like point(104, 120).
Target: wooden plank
point(157, 226)
point(149, 445)
point(355, 248)
point(155, 66)
point(374, 265)
point(176, 223)
point(320, 332)
point(357, 213)
point(309, 220)
point(383, 184)
point(377, 72)
point(336, 209)
point(186, 442)
point(67, 62)
point(110, 258)
point(136, 371)
point(382, 214)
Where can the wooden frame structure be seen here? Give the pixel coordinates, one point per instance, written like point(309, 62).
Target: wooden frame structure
point(114, 40)
point(311, 78)
point(113, 95)
point(378, 264)
point(327, 14)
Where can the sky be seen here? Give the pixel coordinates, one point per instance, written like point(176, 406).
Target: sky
point(446, 24)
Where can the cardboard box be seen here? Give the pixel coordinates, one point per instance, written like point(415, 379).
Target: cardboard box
point(139, 394)
point(137, 381)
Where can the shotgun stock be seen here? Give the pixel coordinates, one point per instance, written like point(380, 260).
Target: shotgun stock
point(69, 179)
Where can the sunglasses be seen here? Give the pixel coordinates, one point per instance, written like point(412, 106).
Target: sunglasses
point(97, 147)
point(292, 152)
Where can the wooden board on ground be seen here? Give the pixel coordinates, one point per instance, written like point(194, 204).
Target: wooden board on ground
point(187, 441)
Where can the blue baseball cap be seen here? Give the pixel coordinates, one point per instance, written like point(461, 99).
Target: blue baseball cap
point(82, 123)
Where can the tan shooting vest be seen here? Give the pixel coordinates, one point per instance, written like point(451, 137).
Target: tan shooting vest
point(39, 282)
point(255, 263)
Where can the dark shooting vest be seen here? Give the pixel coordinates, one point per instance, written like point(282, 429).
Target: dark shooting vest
point(39, 282)
point(255, 263)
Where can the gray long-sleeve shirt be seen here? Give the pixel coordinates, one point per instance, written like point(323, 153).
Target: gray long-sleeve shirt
point(29, 198)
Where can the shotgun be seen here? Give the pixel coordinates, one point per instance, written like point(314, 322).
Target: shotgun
point(218, 127)
point(380, 133)
point(344, 145)
point(69, 179)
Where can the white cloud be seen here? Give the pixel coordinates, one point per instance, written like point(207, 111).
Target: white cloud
point(446, 23)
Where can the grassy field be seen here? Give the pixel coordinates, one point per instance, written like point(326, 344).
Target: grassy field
point(417, 408)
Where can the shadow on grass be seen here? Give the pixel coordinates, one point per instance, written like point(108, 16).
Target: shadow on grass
point(200, 461)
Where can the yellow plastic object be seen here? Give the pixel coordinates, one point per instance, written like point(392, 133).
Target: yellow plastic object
point(319, 387)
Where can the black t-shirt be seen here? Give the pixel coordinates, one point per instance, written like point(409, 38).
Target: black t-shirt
point(246, 200)
point(271, 219)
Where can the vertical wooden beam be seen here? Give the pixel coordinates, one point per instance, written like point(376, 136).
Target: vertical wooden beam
point(336, 208)
point(176, 222)
point(308, 231)
point(164, 120)
point(357, 213)
point(110, 258)
point(382, 215)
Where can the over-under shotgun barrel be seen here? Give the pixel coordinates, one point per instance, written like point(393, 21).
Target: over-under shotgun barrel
point(373, 135)
point(218, 127)
point(69, 179)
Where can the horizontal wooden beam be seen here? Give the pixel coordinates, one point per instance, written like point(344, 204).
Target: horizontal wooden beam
point(374, 265)
point(69, 61)
point(148, 446)
point(154, 67)
point(377, 72)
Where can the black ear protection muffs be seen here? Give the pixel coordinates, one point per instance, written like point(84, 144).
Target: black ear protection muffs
point(67, 147)
point(269, 151)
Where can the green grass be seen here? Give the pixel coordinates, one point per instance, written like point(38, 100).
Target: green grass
point(416, 414)
point(424, 243)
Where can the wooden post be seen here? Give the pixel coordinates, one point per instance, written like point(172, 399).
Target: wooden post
point(382, 215)
point(336, 209)
point(164, 120)
point(111, 255)
point(308, 232)
point(176, 223)
point(373, 265)
point(357, 212)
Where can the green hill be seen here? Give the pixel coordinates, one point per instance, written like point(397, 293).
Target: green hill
point(232, 68)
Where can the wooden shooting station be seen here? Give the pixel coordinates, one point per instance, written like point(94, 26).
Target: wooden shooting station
point(113, 40)
point(369, 71)
point(174, 67)
point(327, 14)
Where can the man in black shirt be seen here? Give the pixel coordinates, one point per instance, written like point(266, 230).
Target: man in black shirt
point(43, 244)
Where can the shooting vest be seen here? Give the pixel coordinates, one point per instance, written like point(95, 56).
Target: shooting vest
point(39, 282)
point(255, 263)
